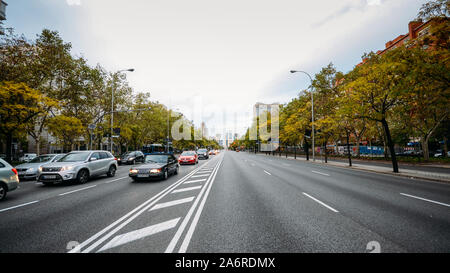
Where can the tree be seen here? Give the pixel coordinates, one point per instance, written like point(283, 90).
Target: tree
point(66, 130)
point(374, 90)
point(19, 105)
point(429, 94)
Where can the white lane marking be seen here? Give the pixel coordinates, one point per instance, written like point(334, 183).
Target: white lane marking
point(320, 173)
point(69, 192)
point(186, 219)
point(172, 203)
point(200, 175)
point(130, 215)
point(195, 181)
point(190, 232)
point(424, 199)
point(107, 182)
point(320, 202)
point(267, 172)
point(18, 206)
point(140, 233)
point(187, 189)
point(202, 172)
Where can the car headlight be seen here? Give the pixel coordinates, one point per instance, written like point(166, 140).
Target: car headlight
point(131, 158)
point(40, 169)
point(133, 171)
point(155, 170)
point(67, 168)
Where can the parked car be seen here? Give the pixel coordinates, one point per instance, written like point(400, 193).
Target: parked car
point(131, 157)
point(155, 166)
point(30, 170)
point(27, 157)
point(9, 179)
point(188, 157)
point(439, 153)
point(78, 166)
point(203, 154)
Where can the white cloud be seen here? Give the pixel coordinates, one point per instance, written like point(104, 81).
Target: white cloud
point(73, 2)
point(230, 53)
point(373, 2)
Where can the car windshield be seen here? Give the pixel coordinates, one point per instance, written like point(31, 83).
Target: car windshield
point(126, 154)
point(188, 153)
point(156, 159)
point(42, 158)
point(202, 151)
point(74, 157)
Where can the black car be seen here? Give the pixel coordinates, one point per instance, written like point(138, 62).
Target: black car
point(131, 157)
point(203, 153)
point(155, 166)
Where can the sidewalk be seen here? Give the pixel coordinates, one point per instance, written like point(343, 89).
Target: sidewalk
point(435, 176)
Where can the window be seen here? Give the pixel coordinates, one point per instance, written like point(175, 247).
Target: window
point(104, 155)
point(95, 155)
point(1, 165)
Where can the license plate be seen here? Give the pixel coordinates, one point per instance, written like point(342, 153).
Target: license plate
point(143, 175)
point(21, 173)
point(49, 177)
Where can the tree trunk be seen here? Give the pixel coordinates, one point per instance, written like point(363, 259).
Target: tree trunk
point(38, 146)
point(295, 152)
point(348, 149)
point(390, 144)
point(357, 146)
point(307, 149)
point(325, 150)
point(426, 152)
point(9, 147)
point(445, 147)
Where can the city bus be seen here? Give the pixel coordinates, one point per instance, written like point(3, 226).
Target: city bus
point(156, 149)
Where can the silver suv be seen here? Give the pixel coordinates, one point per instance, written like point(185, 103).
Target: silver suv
point(78, 166)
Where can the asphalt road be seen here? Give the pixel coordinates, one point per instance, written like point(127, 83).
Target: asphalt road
point(233, 202)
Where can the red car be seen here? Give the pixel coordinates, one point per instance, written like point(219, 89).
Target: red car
point(188, 157)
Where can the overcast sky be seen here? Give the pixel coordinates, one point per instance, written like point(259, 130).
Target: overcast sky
point(220, 57)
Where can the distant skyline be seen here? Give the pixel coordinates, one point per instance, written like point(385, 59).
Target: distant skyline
point(220, 57)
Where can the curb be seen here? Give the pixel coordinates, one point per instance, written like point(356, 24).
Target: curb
point(412, 176)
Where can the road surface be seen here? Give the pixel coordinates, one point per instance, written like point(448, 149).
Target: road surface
point(233, 202)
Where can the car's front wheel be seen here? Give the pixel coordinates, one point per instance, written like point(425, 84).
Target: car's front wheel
point(83, 176)
point(166, 175)
point(3, 191)
point(176, 170)
point(112, 171)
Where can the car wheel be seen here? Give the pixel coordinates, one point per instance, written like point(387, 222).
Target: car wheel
point(176, 170)
point(166, 175)
point(134, 162)
point(3, 192)
point(112, 171)
point(82, 177)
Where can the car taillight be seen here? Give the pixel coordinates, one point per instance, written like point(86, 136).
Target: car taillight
point(15, 171)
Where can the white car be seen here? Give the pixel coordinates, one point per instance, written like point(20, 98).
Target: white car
point(27, 157)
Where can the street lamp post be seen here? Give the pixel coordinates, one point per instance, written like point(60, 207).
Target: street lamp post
point(312, 109)
point(112, 106)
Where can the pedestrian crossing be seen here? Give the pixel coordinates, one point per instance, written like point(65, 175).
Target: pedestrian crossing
point(186, 194)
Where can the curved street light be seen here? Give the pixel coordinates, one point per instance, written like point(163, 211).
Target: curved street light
point(312, 108)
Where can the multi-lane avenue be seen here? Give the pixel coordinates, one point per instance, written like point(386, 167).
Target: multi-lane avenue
point(233, 202)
